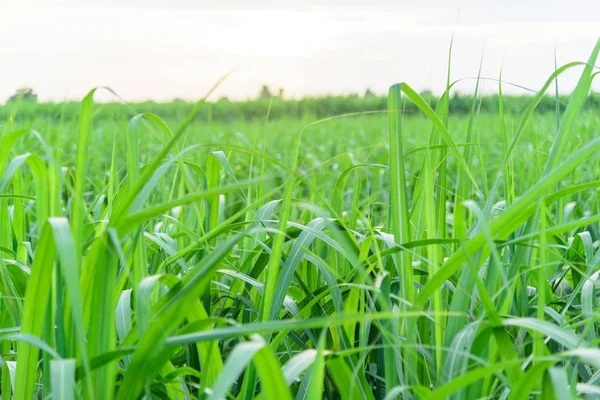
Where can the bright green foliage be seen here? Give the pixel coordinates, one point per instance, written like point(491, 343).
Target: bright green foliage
point(412, 253)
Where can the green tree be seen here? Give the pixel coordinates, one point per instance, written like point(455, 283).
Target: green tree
point(24, 94)
point(369, 93)
point(426, 94)
point(265, 92)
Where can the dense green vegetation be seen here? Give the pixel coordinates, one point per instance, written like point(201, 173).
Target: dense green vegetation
point(308, 108)
point(400, 254)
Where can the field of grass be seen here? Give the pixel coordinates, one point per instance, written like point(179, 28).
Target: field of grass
point(375, 256)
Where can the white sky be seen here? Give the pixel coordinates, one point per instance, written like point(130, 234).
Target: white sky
point(160, 50)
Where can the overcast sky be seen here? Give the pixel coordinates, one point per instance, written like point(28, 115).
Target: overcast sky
point(159, 49)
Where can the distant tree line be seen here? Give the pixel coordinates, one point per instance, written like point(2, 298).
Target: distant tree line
point(279, 107)
point(25, 94)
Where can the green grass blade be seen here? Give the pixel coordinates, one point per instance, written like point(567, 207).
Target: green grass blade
point(63, 379)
